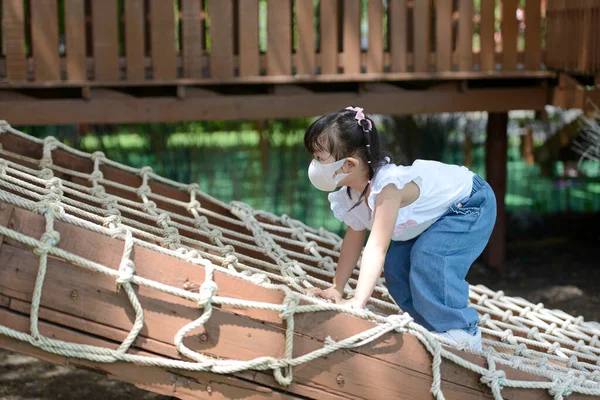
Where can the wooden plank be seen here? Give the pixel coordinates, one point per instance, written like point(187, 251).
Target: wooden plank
point(13, 23)
point(134, 40)
point(162, 36)
point(405, 352)
point(421, 36)
point(105, 36)
point(180, 384)
point(375, 49)
point(266, 106)
point(533, 35)
point(351, 37)
point(221, 34)
point(496, 150)
point(443, 32)
point(164, 315)
point(398, 34)
point(192, 39)
point(44, 40)
point(464, 46)
point(75, 40)
point(305, 53)
point(510, 31)
point(279, 37)
point(248, 38)
point(329, 36)
point(486, 35)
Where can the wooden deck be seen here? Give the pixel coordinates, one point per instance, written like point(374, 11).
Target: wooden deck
point(71, 61)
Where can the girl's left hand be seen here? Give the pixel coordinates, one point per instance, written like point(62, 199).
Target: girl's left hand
point(351, 303)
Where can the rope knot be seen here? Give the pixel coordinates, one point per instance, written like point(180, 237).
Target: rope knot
point(310, 246)
point(292, 269)
point(285, 219)
point(97, 156)
point(327, 263)
point(492, 378)
point(226, 250)
point(192, 205)
point(193, 187)
point(45, 173)
point(97, 175)
point(289, 306)
point(207, 290)
point(149, 207)
point(126, 272)
point(143, 190)
point(50, 143)
point(163, 219)
point(399, 321)
point(561, 389)
point(98, 191)
point(145, 171)
point(297, 232)
point(229, 261)
point(171, 237)
point(201, 222)
point(47, 242)
point(215, 235)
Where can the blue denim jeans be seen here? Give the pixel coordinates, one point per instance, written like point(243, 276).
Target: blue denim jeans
point(426, 275)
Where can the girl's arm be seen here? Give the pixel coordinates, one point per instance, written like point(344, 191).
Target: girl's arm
point(386, 211)
point(349, 254)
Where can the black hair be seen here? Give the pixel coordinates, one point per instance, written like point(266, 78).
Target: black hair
point(340, 134)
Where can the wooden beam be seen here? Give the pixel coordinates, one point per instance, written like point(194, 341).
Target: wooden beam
point(162, 37)
point(486, 33)
point(13, 23)
point(443, 33)
point(134, 40)
point(279, 37)
point(329, 36)
point(306, 37)
point(75, 40)
point(496, 158)
point(234, 107)
point(221, 33)
point(421, 17)
point(44, 40)
point(351, 38)
point(192, 38)
point(106, 40)
point(248, 38)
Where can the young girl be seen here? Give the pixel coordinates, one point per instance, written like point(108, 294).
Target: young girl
point(428, 221)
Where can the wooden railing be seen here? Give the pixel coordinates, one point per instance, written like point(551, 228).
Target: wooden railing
point(153, 42)
point(573, 35)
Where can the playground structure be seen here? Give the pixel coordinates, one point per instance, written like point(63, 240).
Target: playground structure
point(142, 61)
point(209, 297)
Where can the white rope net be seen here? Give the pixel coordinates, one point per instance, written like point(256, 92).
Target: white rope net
point(561, 349)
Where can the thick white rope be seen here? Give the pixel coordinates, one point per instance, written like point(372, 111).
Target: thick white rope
point(565, 338)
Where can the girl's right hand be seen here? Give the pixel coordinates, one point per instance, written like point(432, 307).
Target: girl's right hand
point(332, 293)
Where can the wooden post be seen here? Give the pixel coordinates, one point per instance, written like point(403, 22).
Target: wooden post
point(496, 147)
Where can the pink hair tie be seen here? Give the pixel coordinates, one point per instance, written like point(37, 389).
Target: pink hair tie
point(360, 116)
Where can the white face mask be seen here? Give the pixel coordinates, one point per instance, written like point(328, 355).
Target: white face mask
point(321, 175)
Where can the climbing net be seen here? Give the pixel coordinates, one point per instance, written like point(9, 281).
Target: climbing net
point(561, 349)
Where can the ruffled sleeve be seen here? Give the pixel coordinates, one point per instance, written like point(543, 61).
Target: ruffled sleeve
point(340, 205)
point(398, 176)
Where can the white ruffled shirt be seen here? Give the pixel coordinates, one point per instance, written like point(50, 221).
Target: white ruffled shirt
point(441, 185)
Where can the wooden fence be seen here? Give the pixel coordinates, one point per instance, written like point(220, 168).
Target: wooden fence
point(154, 42)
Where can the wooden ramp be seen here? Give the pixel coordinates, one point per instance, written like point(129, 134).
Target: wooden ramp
point(117, 270)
